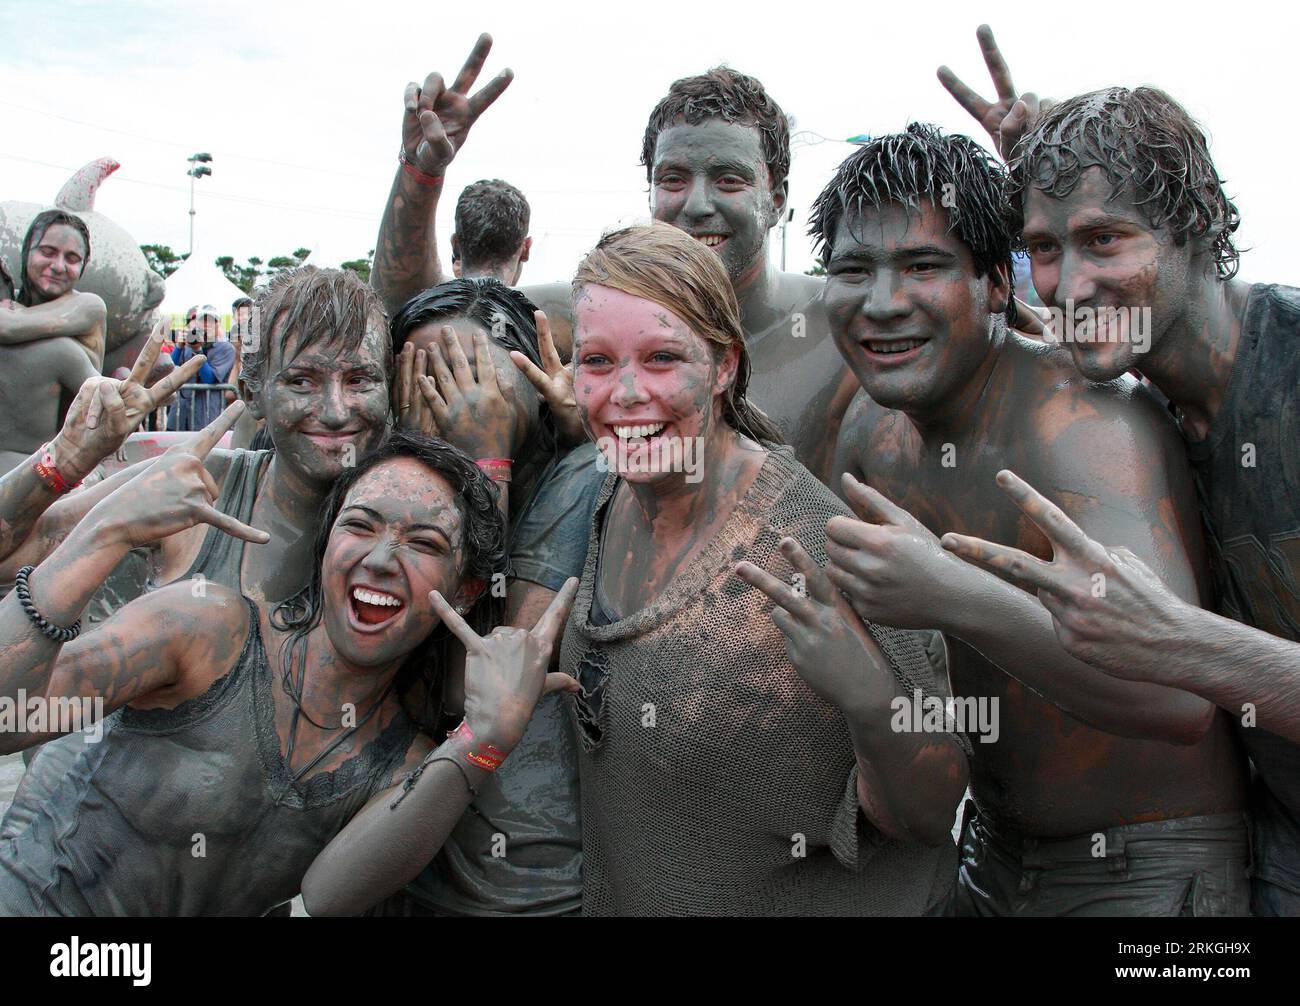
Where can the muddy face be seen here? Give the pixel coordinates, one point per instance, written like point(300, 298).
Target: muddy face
point(54, 264)
point(398, 536)
point(647, 387)
point(1090, 254)
point(711, 180)
point(908, 313)
point(325, 409)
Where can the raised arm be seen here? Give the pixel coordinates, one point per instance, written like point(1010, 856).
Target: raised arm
point(33, 518)
point(133, 654)
point(396, 834)
point(435, 122)
point(1109, 608)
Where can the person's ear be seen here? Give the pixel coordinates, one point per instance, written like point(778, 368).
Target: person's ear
point(728, 365)
point(254, 402)
point(999, 288)
point(525, 249)
point(455, 247)
point(780, 196)
point(471, 589)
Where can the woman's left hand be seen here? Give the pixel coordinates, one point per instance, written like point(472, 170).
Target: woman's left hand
point(827, 643)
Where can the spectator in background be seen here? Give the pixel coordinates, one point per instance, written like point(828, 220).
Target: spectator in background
point(191, 407)
point(491, 237)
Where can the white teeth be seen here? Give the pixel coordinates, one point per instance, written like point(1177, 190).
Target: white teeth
point(711, 240)
point(901, 346)
point(370, 597)
point(630, 432)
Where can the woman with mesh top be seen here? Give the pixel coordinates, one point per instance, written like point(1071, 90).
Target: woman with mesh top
point(733, 713)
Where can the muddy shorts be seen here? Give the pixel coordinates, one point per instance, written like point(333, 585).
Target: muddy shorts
point(1193, 866)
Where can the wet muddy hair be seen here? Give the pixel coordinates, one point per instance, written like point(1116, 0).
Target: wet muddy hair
point(492, 219)
point(726, 94)
point(6, 282)
point(663, 264)
point(419, 680)
point(504, 312)
point(43, 222)
point(307, 306)
point(919, 164)
point(1149, 148)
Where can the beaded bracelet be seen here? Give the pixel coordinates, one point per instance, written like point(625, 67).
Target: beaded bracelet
point(48, 629)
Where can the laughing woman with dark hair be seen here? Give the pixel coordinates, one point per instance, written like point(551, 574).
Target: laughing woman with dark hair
point(261, 749)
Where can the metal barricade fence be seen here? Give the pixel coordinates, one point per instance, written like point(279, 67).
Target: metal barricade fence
point(193, 407)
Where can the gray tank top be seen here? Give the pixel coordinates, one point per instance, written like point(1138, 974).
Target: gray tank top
point(221, 555)
point(219, 561)
point(189, 811)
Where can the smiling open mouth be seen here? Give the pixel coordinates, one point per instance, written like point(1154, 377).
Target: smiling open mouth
point(710, 240)
point(897, 346)
point(373, 607)
point(639, 433)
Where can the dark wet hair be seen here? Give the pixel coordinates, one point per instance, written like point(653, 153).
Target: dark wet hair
point(241, 302)
point(419, 680)
point(492, 219)
point(42, 223)
point(920, 164)
point(1148, 147)
point(504, 312)
point(6, 282)
point(726, 94)
point(308, 306)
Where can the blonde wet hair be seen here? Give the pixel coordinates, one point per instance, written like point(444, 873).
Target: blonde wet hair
point(663, 264)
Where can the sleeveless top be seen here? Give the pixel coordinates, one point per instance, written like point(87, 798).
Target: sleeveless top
point(221, 555)
point(1247, 473)
point(219, 560)
point(189, 811)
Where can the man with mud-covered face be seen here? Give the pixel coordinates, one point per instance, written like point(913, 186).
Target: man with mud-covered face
point(1126, 219)
point(717, 153)
point(918, 293)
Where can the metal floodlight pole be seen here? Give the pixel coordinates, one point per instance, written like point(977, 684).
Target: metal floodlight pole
point(198, 168)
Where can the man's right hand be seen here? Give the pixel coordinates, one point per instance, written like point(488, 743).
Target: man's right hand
point(105, 411)
point(437, 118)
point(1011, 116)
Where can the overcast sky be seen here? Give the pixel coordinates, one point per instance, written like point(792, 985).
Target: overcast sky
point(301, 106)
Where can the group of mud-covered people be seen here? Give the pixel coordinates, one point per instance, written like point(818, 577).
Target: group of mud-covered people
point(635, 594)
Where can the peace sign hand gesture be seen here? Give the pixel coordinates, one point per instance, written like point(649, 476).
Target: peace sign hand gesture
point(554, 384)
point(1108, 607)
point(505, 671)
point(105, 412)
point(437, 118)
point(827, 643)
point(173, 494)
point(1011, 116)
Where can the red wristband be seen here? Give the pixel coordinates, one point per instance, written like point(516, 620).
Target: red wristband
point(487, 757)
point(422, 177)
point(497, 469)
point(48, 472)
